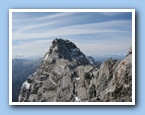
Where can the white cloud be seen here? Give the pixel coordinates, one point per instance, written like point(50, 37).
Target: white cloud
point(107, 46)
point(111, 13)
point(102, 27)
point(39, 47)
point(53, 16)
point(30, 27)
point(109, 37)
point(20, 42)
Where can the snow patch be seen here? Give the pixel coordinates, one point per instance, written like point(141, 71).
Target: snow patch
point(26, 85)
point(46, 57)
point(126, 86)
point(76, 78)
point(35, 73)
point(77, 99)
point(55, 48)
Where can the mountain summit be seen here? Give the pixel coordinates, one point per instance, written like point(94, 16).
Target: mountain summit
point(64, 49)
point(66, 75)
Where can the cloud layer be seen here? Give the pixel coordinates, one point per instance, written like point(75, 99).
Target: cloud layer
point(93, 33)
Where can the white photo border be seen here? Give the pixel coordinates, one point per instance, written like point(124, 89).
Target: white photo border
point(71, 10)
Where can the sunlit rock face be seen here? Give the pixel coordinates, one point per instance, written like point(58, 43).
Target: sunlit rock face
point(66, 75)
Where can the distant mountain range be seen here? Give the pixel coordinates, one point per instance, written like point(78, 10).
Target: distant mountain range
point(97, 57)
point(21, 69)
point(27, 57)
point(103, 57)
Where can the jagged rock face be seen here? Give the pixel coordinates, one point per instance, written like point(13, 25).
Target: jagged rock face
point(91, 60)
point(120, 87)
point(94, 63)
point(104, 75)
point(66, 50)
point(66, 75)
point(53, 79)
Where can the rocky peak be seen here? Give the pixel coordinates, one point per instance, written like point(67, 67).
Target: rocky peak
point(53, 80)
point(66, 75)
point(119, 89)
point(64, 49)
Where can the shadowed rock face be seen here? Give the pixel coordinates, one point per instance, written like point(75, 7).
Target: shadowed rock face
point(66, 75)
point(22, 68)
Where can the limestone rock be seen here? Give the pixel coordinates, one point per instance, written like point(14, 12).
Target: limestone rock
point(53, 80)
point(120, 87)
point(66, 75)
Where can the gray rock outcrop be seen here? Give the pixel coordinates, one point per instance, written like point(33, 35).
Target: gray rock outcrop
point(66, 75)
point(116, 83)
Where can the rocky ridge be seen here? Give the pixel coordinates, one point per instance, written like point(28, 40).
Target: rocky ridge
point(66, 75)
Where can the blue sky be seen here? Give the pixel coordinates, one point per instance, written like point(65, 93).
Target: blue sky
point(93, 32)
